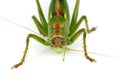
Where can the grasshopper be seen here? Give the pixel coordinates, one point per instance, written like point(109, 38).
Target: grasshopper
point(59, 30)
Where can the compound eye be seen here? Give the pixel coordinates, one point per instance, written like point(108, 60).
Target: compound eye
point(63, 42)
point(53, 42)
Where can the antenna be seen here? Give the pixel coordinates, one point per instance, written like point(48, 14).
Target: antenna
point(94, 53)
point(19, 25)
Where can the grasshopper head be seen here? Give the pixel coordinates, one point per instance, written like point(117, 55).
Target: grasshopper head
point(58, 44)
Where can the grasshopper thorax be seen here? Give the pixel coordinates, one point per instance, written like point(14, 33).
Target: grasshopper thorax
point(57, 33)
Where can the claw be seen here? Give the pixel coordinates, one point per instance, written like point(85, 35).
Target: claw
point(93, 29)
point(91, 59)
point(16, 65)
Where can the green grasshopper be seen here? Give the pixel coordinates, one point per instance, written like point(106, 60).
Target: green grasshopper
point(59, 30)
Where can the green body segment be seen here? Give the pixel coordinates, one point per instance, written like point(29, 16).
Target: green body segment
point(58, 24)
point(59, 31)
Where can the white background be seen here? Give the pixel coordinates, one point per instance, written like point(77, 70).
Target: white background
point(42, 65)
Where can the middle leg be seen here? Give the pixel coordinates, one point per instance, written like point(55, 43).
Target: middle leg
point(75, 36)
point(76, 26)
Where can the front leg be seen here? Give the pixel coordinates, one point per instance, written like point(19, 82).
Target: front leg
point(75, 36)
point(26, 48)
